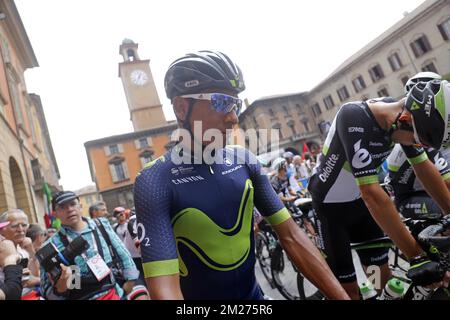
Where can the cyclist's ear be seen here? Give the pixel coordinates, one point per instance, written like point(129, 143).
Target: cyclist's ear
point(406, 117)
point(180, 107)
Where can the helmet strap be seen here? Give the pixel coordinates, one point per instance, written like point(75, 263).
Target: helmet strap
point(396, 125)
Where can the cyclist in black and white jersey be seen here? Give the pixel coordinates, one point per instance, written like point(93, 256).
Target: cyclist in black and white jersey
point(345, 188)
point(411, 198)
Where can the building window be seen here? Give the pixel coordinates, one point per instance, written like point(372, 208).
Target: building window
point(89, 200)
point(395, 61)
point(343, 93)
point(146, 157)
point(118, 169)
point(316, 110)
point(277, 126)
point(143, 143)
point(430, 67)
point(286, 111)
point(328, 101)
point(376, 73)
point(404, 79)
point(36, 168)
point(444, 28)
point(383, 92)
point(291, 124)
point(305, 123)
point(271, 113)
point(420, 46)
point(113, 149)
point(359, 84)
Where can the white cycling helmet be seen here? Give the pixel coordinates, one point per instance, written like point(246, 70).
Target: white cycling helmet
point(421, 77)
point(278, 164)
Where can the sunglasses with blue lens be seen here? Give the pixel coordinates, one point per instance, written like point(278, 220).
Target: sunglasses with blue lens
point(219, 102)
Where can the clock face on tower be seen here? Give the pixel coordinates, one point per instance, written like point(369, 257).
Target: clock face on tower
point(139, 77)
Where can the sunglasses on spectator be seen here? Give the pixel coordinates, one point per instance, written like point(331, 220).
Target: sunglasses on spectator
point(220, 102)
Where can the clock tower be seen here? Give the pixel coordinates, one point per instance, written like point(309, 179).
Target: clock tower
point(140, 90)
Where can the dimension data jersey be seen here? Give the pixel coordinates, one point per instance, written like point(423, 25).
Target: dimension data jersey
point(401, 176)
point(353, 151)
point(197, 220)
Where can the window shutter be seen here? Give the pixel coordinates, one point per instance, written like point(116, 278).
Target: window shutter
point(120, 146)
point(112, 169)
point(442, 30)
point(414, 49)
point(107, 151)
point(136, 144)
point(125, 170)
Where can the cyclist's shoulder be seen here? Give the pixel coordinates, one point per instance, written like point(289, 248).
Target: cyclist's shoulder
point(156, 166)
point(240, 154)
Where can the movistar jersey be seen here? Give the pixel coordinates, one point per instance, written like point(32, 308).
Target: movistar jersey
point(197, 220)
point(353, 151)
point(401, 174)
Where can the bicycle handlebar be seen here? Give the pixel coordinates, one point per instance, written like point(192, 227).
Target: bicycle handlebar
point(429, 235)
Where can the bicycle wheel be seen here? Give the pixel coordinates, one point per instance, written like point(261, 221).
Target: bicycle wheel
point(284, 275)
point(306, 290)
point(263, 256)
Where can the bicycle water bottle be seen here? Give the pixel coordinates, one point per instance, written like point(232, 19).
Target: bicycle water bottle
point(367, 291)
point(393, 290)
point(421, 293)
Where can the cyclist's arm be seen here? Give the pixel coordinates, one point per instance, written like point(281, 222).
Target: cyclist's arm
point(153, 198)
point(435, 177)
point(165, 287)
point(387, 217)
point(308, 259)
point(433, 184)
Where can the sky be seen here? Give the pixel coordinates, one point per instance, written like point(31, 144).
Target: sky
point(282, 46)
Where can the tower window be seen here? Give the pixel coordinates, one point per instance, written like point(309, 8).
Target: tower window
point(131, 55)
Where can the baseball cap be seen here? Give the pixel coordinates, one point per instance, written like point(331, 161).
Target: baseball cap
point(3, 224)
point(63, 197)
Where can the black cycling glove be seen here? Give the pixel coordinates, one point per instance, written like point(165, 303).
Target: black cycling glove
point(424, 271)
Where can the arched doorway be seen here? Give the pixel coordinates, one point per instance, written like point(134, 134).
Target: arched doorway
point(19, 187)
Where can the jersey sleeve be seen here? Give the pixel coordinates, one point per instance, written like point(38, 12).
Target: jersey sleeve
point(355, 139)
point(152, 197)
point(266, 200)
point(440, 162)
point(415, 155)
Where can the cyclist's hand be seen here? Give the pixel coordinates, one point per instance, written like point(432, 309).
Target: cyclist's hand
point(425, 272)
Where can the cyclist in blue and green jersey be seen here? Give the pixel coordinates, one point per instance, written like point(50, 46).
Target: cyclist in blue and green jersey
point(195, 217)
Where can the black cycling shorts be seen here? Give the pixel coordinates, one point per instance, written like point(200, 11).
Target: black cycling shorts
point(419, 204)
point(339, 225)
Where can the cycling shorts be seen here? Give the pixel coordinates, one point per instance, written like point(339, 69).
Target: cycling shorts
point(339, 225)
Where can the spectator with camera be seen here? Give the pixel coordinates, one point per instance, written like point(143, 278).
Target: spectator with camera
point(16, 232)
point(10, 270)
point(78, 262)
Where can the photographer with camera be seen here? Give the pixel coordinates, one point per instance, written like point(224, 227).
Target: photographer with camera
point(16, 232)
point(10, 270)
point(77, 263)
